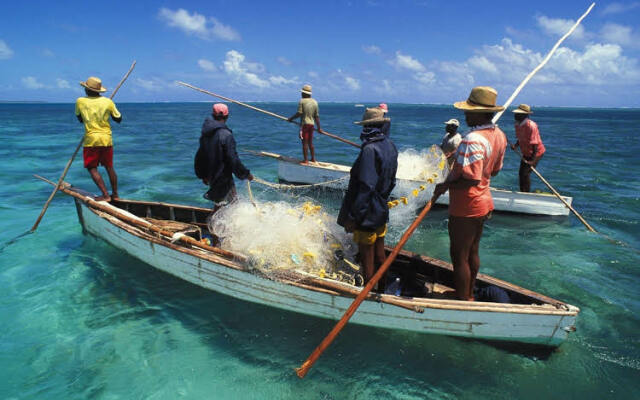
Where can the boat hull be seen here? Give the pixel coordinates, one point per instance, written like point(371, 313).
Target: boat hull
point(540, 325)
point(503, 200)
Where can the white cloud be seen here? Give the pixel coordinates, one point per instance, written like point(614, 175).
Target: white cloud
point(403, 61)
point(373, 49)
point(207, 65)
point(483, 64)
point(5, 50)
point(425, 77)
point(284, 61)
point(312, 74)
point(62, 84)
point(620, 34)
point(559, 26)
point(618, 8)
point(281, 80)
point(152, 84)
point(198, 25)
point(352, 83)
point(31, 82)
point(235, 66)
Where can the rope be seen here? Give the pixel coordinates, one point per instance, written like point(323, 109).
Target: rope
point(281, 186)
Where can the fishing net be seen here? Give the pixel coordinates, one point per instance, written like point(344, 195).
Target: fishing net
point(280, 239)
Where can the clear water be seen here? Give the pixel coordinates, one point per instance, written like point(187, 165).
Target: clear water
point(82, 320)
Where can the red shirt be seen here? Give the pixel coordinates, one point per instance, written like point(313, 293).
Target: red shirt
point(528, 134)
point(479, 155)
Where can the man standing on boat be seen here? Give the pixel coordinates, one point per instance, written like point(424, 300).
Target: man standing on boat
point(451, 140)
point(94, 112)
point(478, 158)
point(364, 208)
point(528, 138)
point(217, 158)
point(308, 113)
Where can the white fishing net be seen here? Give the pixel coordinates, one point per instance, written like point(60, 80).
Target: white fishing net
point(280, 238)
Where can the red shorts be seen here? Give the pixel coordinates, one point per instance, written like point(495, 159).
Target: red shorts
point(94, 156)
point(307, 132)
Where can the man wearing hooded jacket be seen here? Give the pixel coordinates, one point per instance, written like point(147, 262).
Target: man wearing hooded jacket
point(217, 158)
point(364, 208)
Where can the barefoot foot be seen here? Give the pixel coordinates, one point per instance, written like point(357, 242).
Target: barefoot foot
point(106, 198)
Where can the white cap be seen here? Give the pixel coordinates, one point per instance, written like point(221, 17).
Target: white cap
point(452, 121)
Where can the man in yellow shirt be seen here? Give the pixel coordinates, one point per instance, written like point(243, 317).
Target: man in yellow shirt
point(308, 111)
point(94, 112)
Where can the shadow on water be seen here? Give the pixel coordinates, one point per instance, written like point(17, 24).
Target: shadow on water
point(256, 334)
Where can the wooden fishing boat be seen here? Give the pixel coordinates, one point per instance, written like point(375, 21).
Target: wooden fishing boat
point(291, 171)
point(166, 237)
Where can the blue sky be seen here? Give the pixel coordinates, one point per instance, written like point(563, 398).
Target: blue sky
point(422, 51)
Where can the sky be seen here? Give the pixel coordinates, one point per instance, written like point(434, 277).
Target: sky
point(402, 51)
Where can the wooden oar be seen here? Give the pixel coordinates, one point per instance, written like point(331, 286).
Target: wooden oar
point(66, 168)
point(331, 135)
point(304, 368)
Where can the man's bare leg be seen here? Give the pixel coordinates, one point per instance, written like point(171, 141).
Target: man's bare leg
point(380, 257)
point(366, 260)
point(95, 175)
point(461, 235)
point(113, 179)
point(305, 148)
point(474, 260)
point(313, 152)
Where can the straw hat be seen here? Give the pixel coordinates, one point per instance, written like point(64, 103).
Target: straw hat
point(481, 99)
point(94, 84)
point(523, 109)
point(372, 116)
point(306, 89)
point(452, 121)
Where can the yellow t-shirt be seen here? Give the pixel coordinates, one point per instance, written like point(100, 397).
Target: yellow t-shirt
point(308, 107)
point(95, 113)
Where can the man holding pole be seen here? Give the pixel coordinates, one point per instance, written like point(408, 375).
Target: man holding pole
point(478, 158)
point(94, 112)
point(529, 141)
point(308, 113)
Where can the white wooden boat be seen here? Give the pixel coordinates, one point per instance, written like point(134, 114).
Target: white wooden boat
point(291, 171)
point(136, 228)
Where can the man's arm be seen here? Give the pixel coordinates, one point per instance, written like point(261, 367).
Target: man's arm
point(317, 119)
point(237, 167)
point(117, 119)
point(294, 116)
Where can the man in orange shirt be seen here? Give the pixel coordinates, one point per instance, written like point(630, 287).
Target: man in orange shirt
point(478, 158)
point(528, 138)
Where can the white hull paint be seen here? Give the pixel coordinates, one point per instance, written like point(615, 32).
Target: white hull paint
point(289, 170)
point(535, 324)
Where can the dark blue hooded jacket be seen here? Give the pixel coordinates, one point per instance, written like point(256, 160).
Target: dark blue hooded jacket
point(373, 177)
point(217, 158)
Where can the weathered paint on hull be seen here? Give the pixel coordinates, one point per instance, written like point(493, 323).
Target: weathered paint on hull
point(537, 328)
point(504, 200)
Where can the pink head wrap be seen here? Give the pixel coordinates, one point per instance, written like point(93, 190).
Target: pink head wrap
point(220, 109)
point(384, 107)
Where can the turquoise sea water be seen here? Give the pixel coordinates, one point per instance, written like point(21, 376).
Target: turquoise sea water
point(82, 320)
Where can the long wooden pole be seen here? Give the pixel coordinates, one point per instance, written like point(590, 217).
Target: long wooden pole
point(331, 135)
point(66, 168)
point(304, 368)
point(517, 91)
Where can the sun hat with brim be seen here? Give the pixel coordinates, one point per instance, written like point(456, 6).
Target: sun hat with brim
point(306, 89)
point(523, 109)
point(452, 121)
point(94, 84)
point(372, 116)
point(481, 99)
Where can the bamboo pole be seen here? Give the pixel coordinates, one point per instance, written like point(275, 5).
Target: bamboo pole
point(331, 135)
point(304, 368)
point(66, 168)
point(517, 91)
